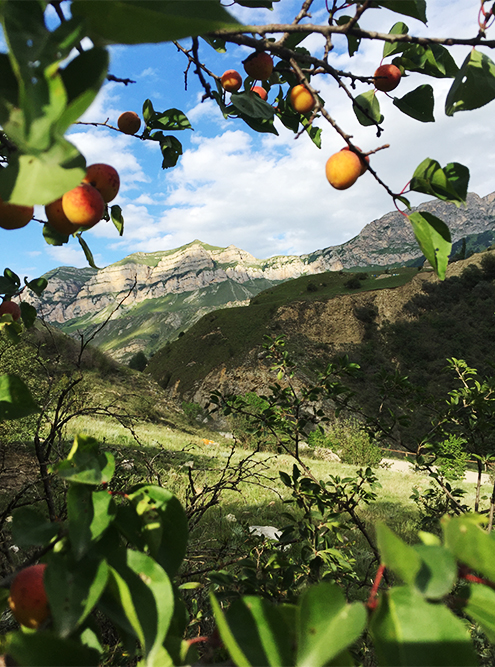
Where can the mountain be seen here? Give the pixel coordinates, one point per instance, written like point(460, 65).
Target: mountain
point(408, 323)
point(166, 292)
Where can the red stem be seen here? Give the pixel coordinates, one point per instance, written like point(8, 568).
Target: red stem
point(372, 600)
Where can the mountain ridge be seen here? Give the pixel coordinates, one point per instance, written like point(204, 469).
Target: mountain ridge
point(167, 291)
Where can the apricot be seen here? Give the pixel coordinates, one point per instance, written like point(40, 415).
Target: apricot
point(27, 599)
point(259, 65)
point(231, 81)
point(105, 179)
point(364, 160)
point(8, 307)
point(301, 99)
point(129, 122)
point(387, 77)
point(57, 219)
point(343, 169)
point(13, 216)
point(260, 91)
point(83, 205)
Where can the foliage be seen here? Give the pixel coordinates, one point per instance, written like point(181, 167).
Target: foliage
point(138, 361)
point(347, 438)
point(453, 458)
point(193, 411)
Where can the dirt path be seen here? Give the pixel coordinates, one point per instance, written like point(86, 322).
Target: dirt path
point(407, 466)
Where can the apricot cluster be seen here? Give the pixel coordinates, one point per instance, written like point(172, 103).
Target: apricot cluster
point(258, 65)
point(84, 206)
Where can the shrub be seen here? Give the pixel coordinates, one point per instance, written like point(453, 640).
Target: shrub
point(193, 411)
point(346, 438)
point(138, 362)
point(353, 283)
point(453, 458)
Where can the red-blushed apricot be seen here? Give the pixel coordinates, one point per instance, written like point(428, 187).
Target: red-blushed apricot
point(259, 65)
point(129, 122)
point(13, 216)
point(8, 307)
point(387, 77)
point(231, 81)
point(343, 169)
point(83, 205)
point(27, 599)
point(364, 160)
point(301, 99)
point(105, 179)
point(260, 91)
point(57, 219)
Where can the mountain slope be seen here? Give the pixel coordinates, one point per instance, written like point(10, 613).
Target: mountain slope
point(164, 293)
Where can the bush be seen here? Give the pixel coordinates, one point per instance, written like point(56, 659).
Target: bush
point(193, 411)
point(453, 458)
point(346, 438)
point(138, 362)
point(488, 266)
point(353, 283)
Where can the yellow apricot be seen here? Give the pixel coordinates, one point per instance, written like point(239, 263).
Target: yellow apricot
point(301, 99)
point(343, 169)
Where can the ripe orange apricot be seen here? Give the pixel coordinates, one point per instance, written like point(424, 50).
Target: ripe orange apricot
point(129, 122)
point(387, 77)
point(301, 99)
point(27, 599)
point(259, 65)
point(259, 90)
point(57, 219)
point(13, 216)
point(343, 169)
point(105, 179)
point(83, 205)
point(364, 160)
point(231, 81)
point(8, 307)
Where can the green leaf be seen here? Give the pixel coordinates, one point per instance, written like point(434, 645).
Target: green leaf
point(144, 593)
point(164, 525)
point(83, 78)
point(228, 638)
point(260, 629)
point(87, 251)
point(327, 624)
point(313, 132)
point(16, 400)
point(90, 513)
point(438, 572)
point(433, 237)
point(250, 104)
point(449, 184)
point(9, 283)
point(73, 589)
point(28, 314)
point(53, 237)
point(147, 21)
point(480, 606)
point(171, 151)
point(172, 119)
point(85, 464)
point(469, 543)
point(407, 630)
point(414, 8)
point(352, 41)
point(32, 529)
point(418, 104)
point(117, 218)
point(37, 285)
point(46, 649)
point(42, 178)
point(367, 108)
point(398, 28)
point(401, 558)
point(474, 85)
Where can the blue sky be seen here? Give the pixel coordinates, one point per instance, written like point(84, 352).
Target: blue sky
point(265, 194)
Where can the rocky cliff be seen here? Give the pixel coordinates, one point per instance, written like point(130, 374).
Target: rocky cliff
point(165, 292)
